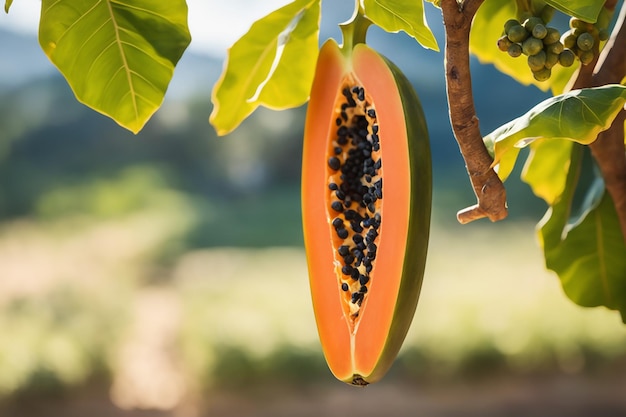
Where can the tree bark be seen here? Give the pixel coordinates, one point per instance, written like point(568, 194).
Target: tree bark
point(608, 149)
point(489, 190)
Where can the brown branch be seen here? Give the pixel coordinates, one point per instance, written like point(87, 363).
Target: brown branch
point(489, 190)
point(608, 149)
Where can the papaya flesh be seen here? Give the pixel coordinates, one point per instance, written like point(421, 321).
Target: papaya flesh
point(366, 202)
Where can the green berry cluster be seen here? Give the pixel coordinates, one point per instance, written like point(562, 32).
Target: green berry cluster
point(545, 47)
point(582, 37)
point(539, 42)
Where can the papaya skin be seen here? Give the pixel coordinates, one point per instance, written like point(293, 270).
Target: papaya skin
point(361, 354)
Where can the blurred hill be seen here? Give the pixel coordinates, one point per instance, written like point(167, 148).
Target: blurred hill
point(49, 141)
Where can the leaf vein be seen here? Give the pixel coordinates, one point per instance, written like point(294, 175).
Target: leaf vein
point(132, 45)
point(75, 22)
point(590, 111)
point(44, 12)
point(111, 78)
point(86, 41)
point(98, 57)
point(148, 81)
point(124, 61)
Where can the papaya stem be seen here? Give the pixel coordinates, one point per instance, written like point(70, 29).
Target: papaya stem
point(355, 29)
point(489, 190)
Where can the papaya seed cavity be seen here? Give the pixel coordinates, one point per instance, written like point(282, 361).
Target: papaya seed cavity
point(355, 192)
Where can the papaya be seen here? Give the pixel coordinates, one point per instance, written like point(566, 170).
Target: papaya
point(366, 203)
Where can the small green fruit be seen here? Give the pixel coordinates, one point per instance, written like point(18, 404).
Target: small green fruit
point(531, 22)
point(566, 58)
point(555, 48)
point(504, 43)
point(509, 24)
point(551, 59)
point(552, 35)
point(531, 46)
point(576, 23)
point(585, 41)
point(604, 18)
point(537, 61)
point(569, 39)
point(517, 33)
point(603, 34)
point(514, 50)
point(539, 31)
point(586, 57)
point(543, 74)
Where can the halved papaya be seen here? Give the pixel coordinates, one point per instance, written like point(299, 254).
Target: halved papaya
point(366, 201)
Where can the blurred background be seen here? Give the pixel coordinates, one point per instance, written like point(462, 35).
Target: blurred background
point(163, 274)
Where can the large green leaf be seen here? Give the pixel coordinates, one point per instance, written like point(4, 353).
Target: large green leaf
point(546, 168)
point(488, 26)
point(271, 65)
point(586, 10)
point(397, 15)
point(7, 5)
point(591, 261)
point(555, 220)
point(117, 55)
point(579, 115)
point(587, 252)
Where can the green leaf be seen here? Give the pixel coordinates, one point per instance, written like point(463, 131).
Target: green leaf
point(397, 15)
point(272, 65)
point(546, 168)
point(488, 26)
point(554, 221)
point(579, 115)
point(7, 5)
point(118, 56)
point(588, 252)
point(586, 10)
point(596, 246)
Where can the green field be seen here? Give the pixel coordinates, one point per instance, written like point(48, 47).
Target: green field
point(84, 299)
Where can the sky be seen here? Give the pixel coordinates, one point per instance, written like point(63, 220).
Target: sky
point(214, 24)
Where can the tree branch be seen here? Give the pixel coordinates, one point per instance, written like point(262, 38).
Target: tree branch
point(608, 149)
point(489, 190)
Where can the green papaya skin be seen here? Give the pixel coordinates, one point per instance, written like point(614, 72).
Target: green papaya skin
point(419, 223)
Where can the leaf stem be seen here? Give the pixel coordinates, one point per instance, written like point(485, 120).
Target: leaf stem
point(489, 190)
point(522, 7)
point(354, 30)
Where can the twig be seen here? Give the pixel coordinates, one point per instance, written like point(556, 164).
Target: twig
point(608, 149)
point(489, 190)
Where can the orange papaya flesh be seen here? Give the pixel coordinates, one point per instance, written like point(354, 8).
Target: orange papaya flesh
point(366, 195)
